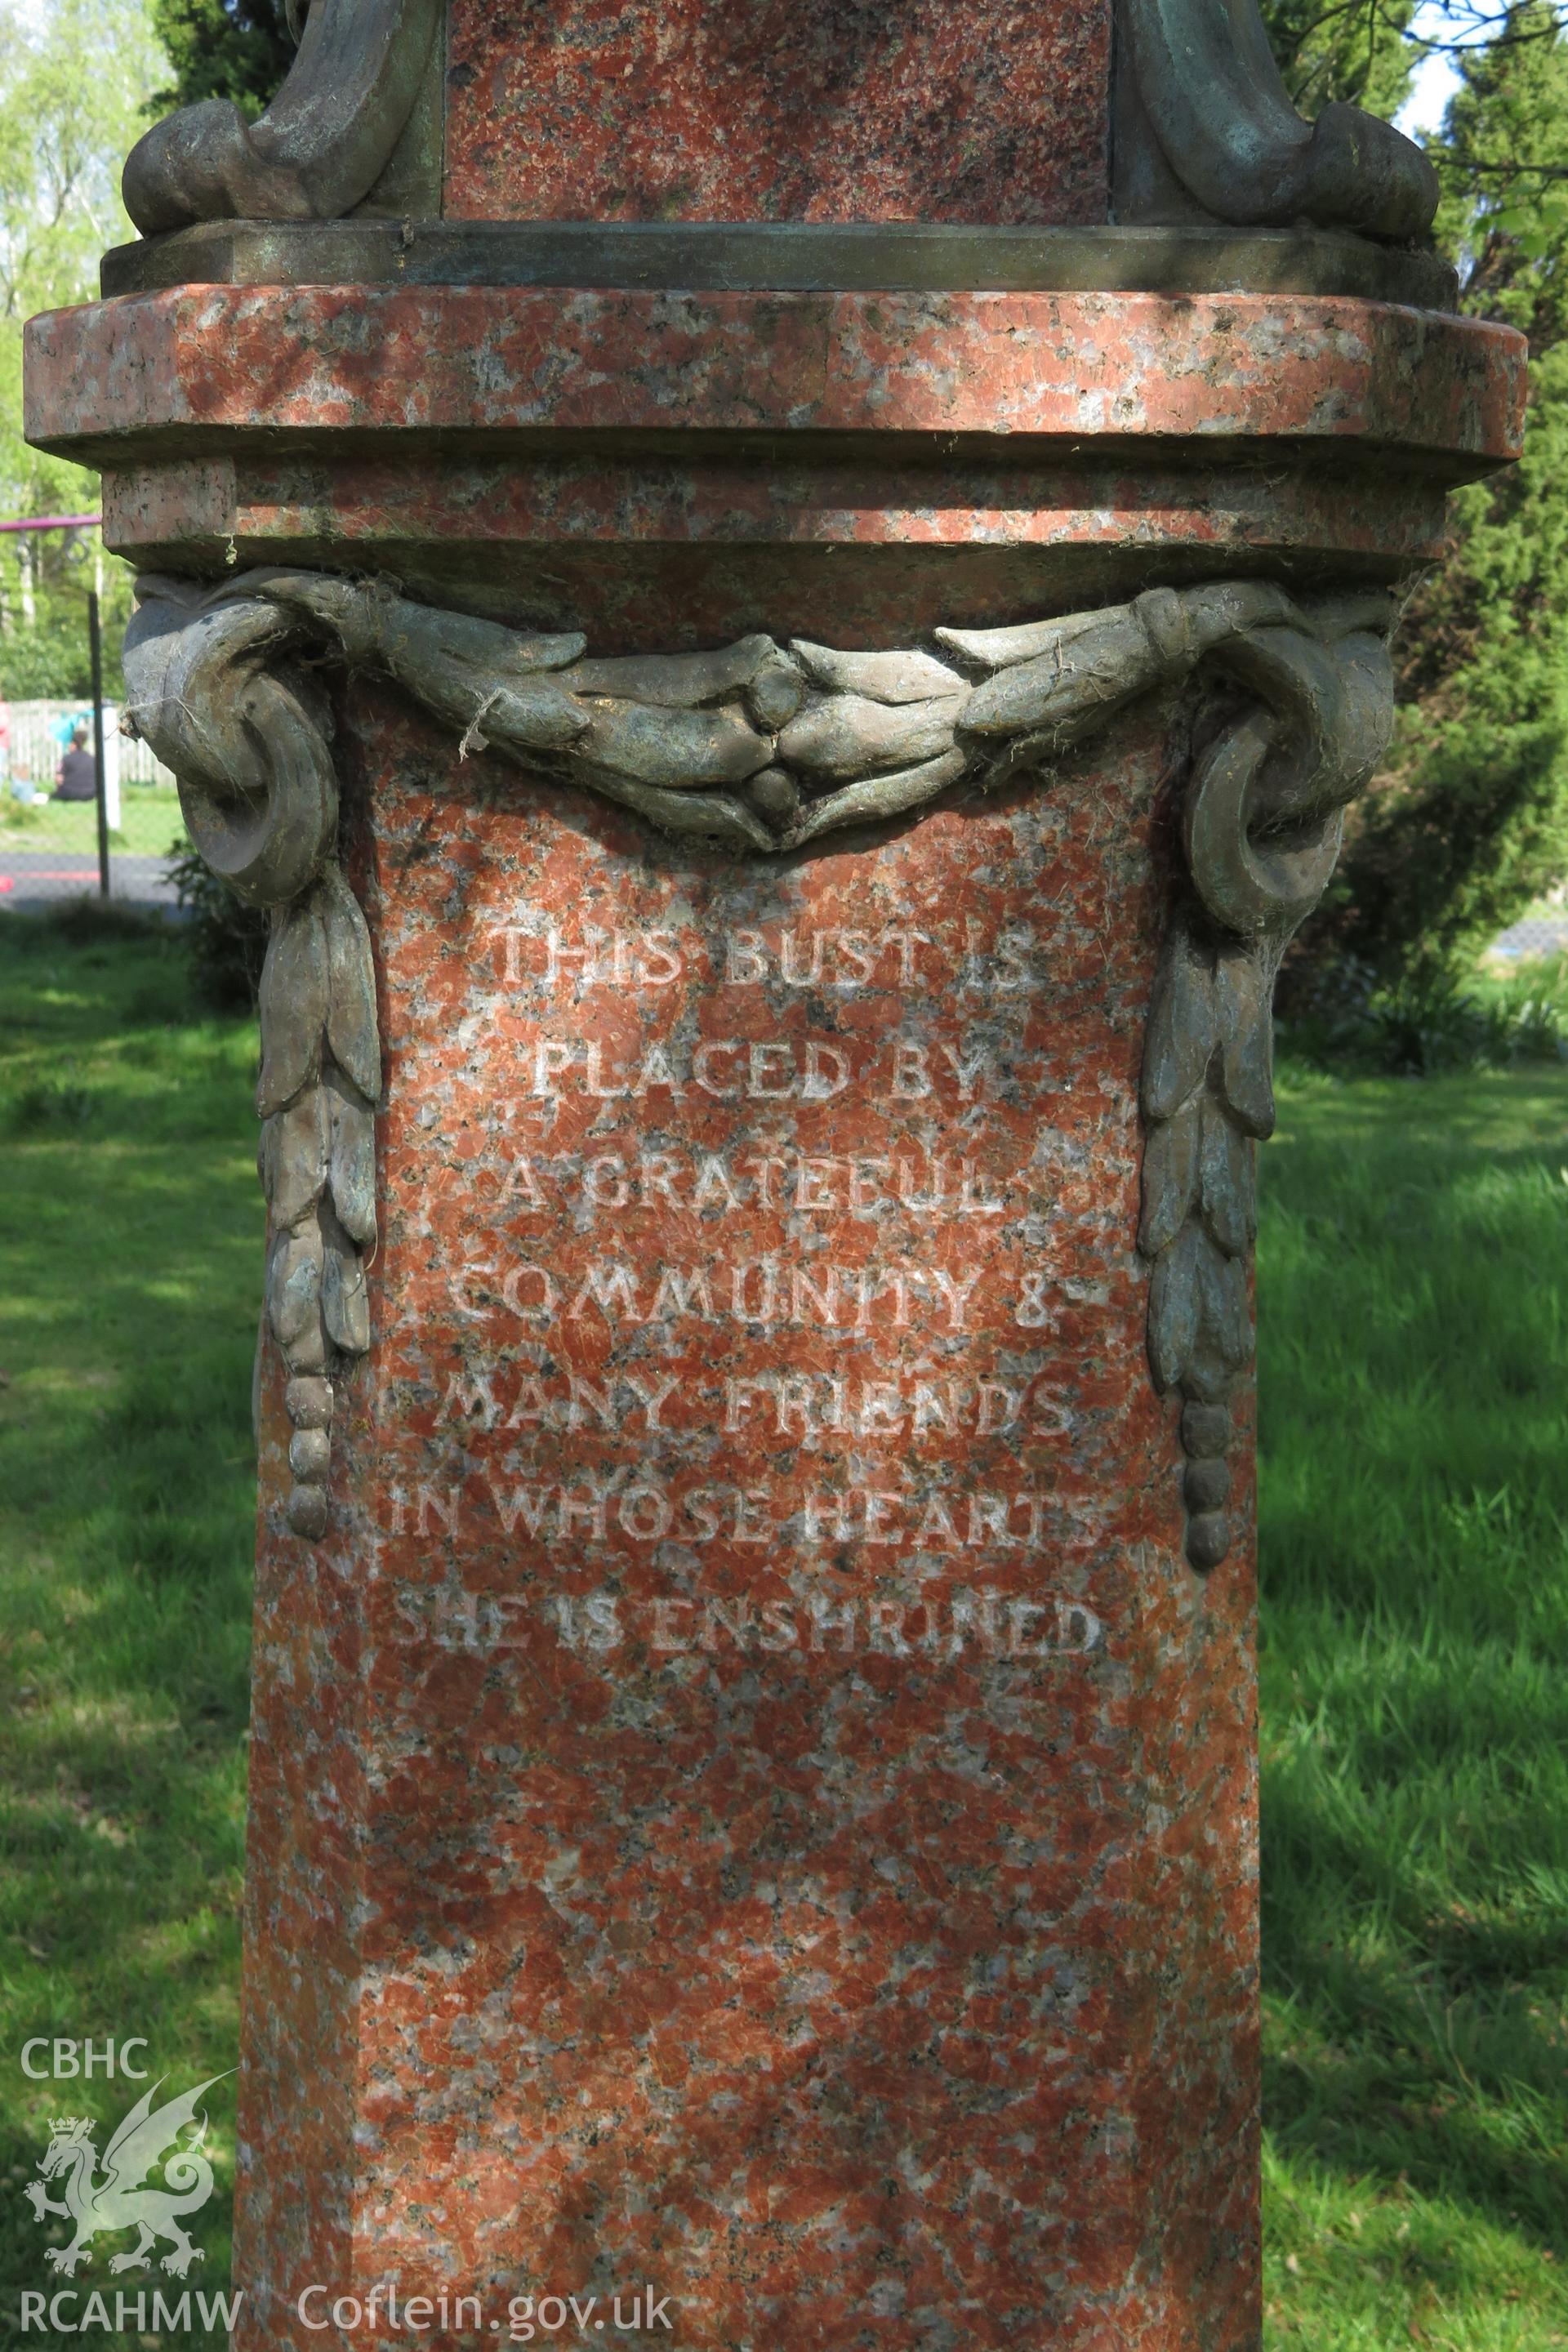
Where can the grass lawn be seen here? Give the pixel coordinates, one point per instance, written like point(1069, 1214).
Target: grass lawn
point(130, 1251)
point(1412, 1279)
point(149, 820)
point(1414, 1267)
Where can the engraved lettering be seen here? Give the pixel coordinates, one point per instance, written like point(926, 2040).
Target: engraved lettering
point(643, 1512)
point(911, 1073)
point(681, 1295)
point(512, 1290)
point(770, 1064)
point(532, 1405)
point(704, 1062)
point(561, 955)
point(826, 1073)
point(524, 1507)
point(655, 1071)
point(956, 1289)
point(523, 1185)
point(593, 1082)
point(745, 959)
point(906, 942)
point(586, 1400)
point(612, 1290)
point(605, 1183)
point(470, 1397)
point(652, 1397)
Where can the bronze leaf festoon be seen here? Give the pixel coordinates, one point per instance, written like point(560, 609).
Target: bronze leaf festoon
point(766, 747)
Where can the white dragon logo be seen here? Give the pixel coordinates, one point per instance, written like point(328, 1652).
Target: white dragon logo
point(120, 2200)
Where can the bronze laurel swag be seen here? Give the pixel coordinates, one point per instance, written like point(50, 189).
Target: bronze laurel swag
point(765, 748)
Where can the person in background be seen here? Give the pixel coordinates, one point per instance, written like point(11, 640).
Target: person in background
point(17, 781)
point(78, 770)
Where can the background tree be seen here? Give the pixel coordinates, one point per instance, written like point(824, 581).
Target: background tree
point(1470, 821)
point(239, 49)
point(1345, 52)
point(77, 78)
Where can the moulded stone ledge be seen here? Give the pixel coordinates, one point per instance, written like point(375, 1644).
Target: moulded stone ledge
point(665, 548)
point(1124, 369)
point(806, 255)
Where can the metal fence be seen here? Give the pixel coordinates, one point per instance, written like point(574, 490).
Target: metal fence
point(49, 847)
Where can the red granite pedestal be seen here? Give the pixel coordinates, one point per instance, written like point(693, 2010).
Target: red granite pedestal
point(792, 1832)
point(753, 1837)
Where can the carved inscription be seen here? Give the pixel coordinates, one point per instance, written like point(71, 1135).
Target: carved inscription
point(756, 1245)
point(879, 1622)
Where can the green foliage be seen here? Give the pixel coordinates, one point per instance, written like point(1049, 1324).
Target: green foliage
point(1345, 52)
point(224, 940)
point(1539, 230)
point(49, 658)
point(1469, 822)
point(45, 664)
point(76, 78)
point(1501, 161)
point(1426, 1021)
point(238, 49)
point(148, 814)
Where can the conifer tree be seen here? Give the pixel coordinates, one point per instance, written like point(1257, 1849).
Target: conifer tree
point(1469, 822)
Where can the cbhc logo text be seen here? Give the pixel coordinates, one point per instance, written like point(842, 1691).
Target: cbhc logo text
point(83, 2059)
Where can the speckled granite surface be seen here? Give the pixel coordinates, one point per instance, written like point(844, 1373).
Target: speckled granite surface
point(779, 110)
